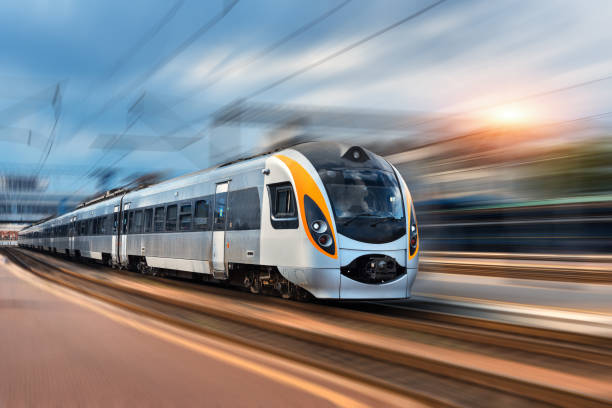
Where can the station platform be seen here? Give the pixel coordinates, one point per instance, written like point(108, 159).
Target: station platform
point(60, 348)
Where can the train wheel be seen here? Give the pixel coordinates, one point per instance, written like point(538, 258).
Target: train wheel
point(253, 282)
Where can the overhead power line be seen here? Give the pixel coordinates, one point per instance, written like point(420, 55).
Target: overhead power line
point(299, 31)
point(342, 51)
point(159, 65)
point(534, 95)
point(144, 39)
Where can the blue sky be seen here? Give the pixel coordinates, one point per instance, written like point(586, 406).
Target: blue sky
point(461, 56)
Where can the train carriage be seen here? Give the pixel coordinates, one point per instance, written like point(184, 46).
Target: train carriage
point(334, 221)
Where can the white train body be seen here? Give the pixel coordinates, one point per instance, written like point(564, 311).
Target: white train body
point(335, 221)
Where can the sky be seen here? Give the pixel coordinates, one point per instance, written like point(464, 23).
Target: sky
point(70, 70)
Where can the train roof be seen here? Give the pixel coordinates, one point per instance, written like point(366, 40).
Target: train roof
point(198, 176)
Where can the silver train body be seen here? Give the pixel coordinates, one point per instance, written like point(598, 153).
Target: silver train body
point(335, 221)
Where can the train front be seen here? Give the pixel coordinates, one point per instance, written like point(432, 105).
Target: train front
point(357, 212)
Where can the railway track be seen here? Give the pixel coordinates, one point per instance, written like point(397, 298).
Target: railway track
point(339, 342)
point(519, 269)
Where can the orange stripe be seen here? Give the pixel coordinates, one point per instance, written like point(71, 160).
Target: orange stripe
point(305, 185)
point(410, 208)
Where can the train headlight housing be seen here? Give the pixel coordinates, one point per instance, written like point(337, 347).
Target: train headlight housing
point(318, 226)
point(414, 233)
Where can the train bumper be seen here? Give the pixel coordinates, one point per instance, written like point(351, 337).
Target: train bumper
point(396, 289)
point(328, 283)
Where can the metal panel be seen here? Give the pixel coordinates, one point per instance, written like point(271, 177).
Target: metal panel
point(188, 265)
point(351, 289)
point(323, 283)
point(243, 246)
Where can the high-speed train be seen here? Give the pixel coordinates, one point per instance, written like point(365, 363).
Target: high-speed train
point(319, 218)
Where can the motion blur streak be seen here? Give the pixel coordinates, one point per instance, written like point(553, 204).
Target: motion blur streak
point(333, 397)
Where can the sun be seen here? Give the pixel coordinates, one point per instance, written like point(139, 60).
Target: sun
point(510, 116)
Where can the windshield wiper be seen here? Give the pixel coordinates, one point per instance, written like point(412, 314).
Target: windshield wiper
point(384, 219)
point(354, 217)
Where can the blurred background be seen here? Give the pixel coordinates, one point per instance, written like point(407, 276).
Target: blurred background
point(498, 114)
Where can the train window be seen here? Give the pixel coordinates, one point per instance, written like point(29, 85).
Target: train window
point(200, 220)
point(220, 211)
point(185, 217)
point(244, 211)
point(171, 211)
point(138, 222)
point(160, 215)
point(83, 228)
point(284, 202)
point(283, 211)
point(95, 227)
point(102, 225)
point(124, 222)
point(131, 222)
point(148, 219)
point(115, 222)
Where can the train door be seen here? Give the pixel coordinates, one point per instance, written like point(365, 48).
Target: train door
point(218, 235)
point(71, 233)
point(115, 235)
point(123, 258)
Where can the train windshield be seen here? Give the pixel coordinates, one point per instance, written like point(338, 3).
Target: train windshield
point(367, 204)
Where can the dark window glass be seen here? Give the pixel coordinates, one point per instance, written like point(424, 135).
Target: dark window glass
point(367, 204)
point(95, 230)
point(125, 222)
point(131, 222)
point(83, 227)
point(160, 213)
point(115, 215)
point(102, 225)
point(200, 221)
point(220, 211)
point(244, 210)
point(285, 205)
point(138, 222)
point(148, 219)
point(171, 211)
point(185, 217)
point(283, 210)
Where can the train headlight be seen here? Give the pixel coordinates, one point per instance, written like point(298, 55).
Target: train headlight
point(319, 226)
point(414, 233)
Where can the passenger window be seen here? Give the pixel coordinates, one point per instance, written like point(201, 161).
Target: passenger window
point(171, 218)
point(200, 221)
point(138, 222)
point(283, 209)
point(115, 222)
point(244, 211)
point(220, 211)
point(95, 227)
point(185, 217)
point(83, 227)
point(148, 219)
point(125, 221)
point(159, 219)
point(131, 222)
